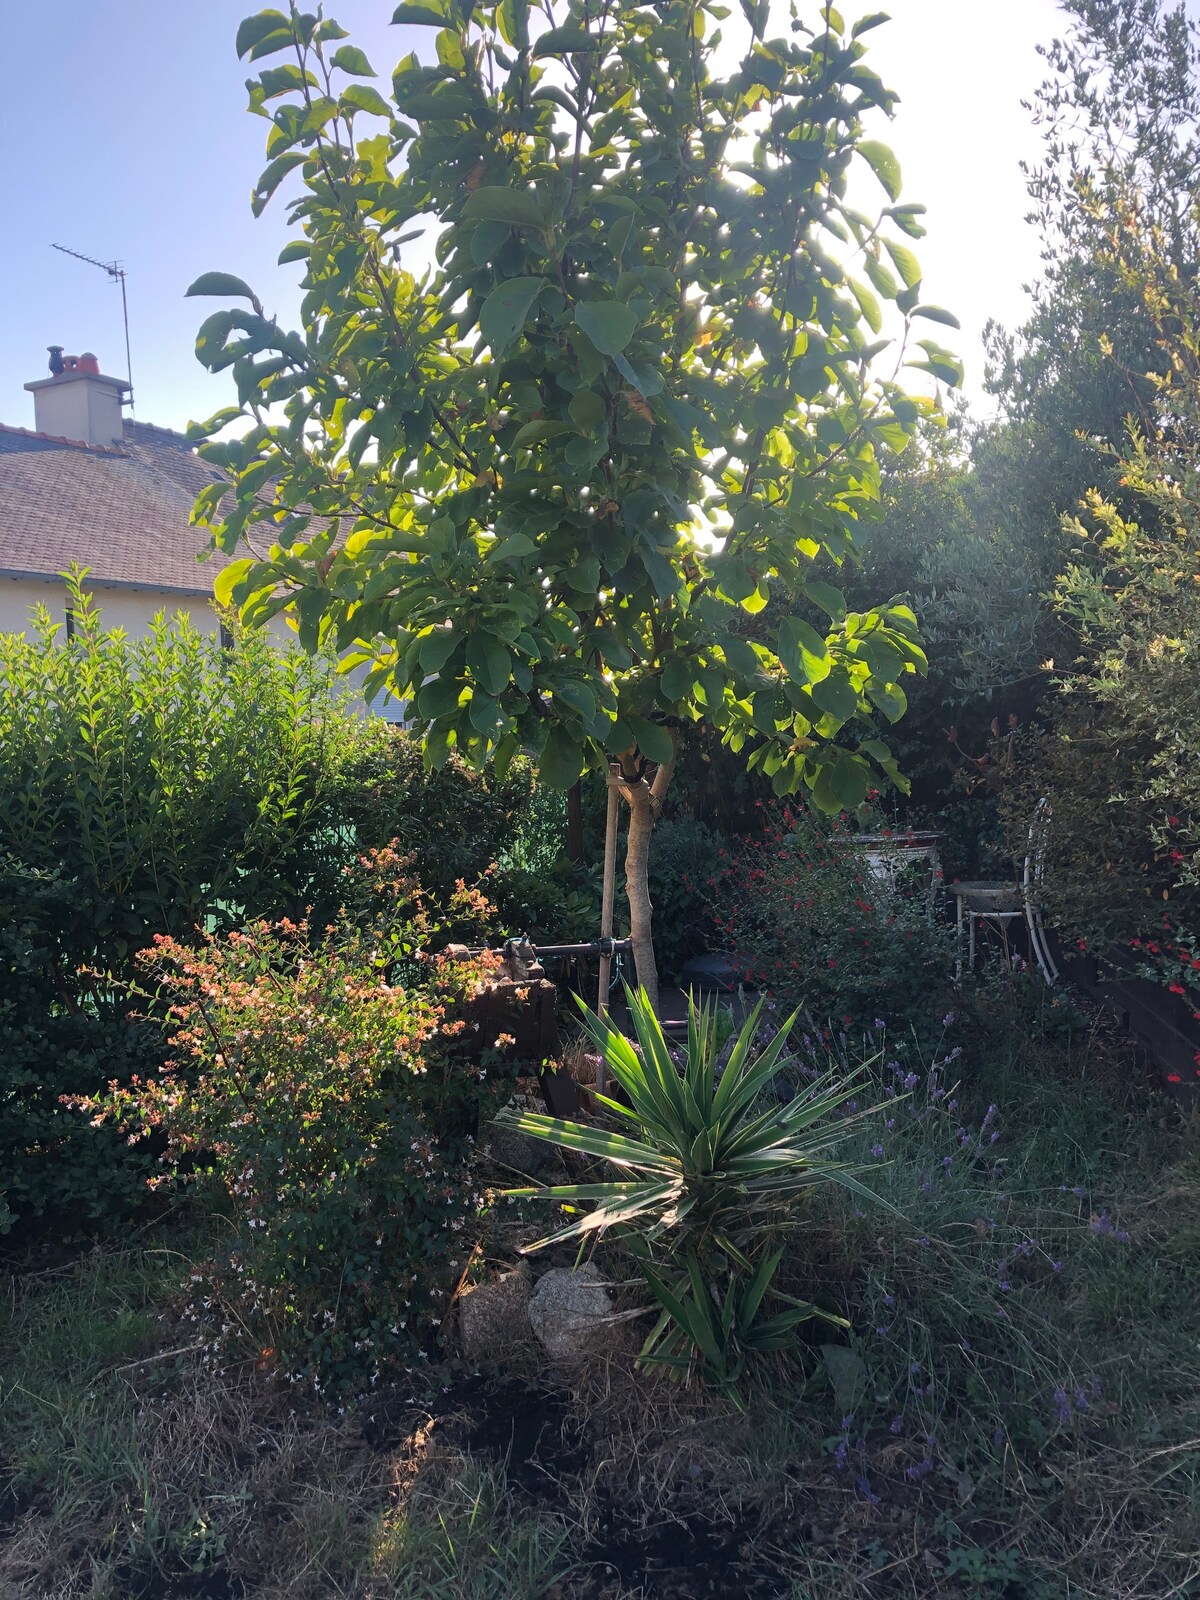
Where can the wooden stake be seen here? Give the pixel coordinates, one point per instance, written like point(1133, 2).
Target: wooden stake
point(606, 904)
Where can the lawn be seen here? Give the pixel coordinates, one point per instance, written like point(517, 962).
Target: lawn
point(1015, 1412)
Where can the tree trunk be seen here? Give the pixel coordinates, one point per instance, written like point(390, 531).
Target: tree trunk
point(575, 824)
point(645, 800)
point(637, 887)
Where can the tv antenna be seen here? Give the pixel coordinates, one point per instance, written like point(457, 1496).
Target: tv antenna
point(117, 273)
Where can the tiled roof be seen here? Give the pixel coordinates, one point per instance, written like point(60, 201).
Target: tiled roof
point(122, 511)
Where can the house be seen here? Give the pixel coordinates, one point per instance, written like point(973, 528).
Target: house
point(90, 486)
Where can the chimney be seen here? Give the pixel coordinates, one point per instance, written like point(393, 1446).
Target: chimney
point(77, 401)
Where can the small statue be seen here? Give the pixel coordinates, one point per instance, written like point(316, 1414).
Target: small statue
point(57, 364)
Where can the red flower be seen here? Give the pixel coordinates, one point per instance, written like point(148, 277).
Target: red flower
point(1176, 988)
point(1173, 1077)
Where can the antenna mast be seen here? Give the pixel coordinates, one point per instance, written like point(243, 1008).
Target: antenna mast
point(117, 273)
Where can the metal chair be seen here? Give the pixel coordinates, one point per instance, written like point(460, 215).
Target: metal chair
point(1002, 903)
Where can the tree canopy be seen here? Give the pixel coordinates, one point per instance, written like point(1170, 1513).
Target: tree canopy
point(626, 387)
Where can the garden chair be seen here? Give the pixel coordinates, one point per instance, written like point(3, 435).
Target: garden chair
point(1002, 903)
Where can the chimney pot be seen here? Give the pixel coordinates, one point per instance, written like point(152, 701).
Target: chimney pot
point(78, 401)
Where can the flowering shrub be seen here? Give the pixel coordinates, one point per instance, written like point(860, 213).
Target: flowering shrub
point(323, 1085)
point(807, 921)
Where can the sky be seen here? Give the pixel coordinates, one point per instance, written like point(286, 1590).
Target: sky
point(126, 138)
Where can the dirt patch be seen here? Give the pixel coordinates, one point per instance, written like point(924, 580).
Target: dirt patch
point(695, 1556)
point(532, 1431)
point(145, 1581)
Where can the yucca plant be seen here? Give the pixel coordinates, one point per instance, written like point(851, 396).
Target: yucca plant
point(712, 1174)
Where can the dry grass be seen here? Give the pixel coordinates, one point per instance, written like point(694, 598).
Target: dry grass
point(131, 1471)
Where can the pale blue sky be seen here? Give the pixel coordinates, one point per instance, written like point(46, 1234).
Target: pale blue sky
point(125, 135)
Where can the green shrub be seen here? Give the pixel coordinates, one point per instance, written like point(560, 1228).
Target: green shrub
point(322, 1085)
point(61, 1033)
point(146, 786)
point(805, 919)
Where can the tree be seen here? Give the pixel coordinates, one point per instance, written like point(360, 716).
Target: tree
point(535, 481)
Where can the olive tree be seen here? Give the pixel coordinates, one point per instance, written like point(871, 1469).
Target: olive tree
point(589, 368)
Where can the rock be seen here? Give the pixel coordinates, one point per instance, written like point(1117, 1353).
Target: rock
point(494, 1316)
point(518, 1150)
point(568, 1312)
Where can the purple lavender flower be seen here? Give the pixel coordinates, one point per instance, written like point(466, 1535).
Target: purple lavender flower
point(1062, 1406)
point(949, 1019)
point(880, 1023)
point(876, 1150)
point(896, 1425)
point(911, 1081)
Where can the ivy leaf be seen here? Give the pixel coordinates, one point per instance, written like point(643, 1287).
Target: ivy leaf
point(882, 162)
point(607, 323)
point(506, 310)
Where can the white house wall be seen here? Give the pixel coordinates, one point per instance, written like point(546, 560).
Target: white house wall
point(134, 610)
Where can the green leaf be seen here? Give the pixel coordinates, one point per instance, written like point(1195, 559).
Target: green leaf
point(565, 42)
point(489, 661)
point(253, 30)
point(607, 323)
point(349, 58)
point(937, 314)
point(653, 740)
point(836, 695)
point(559, 764)
point(864, 24)
point(436, 648)
point(850, 781)
point(881, 277)
point(518, 207)
point(882, 162)
point(271, 177)
point(430, 16)
point(364, 98)
point(830, 600)
point(535, 432)
point(588, 411)
point(867, 304)
point(222, 283)
point(905, 262)
point(438, 698)
point(803, 652)
point(889, 698)
point(676, 679)
point(506, 310)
